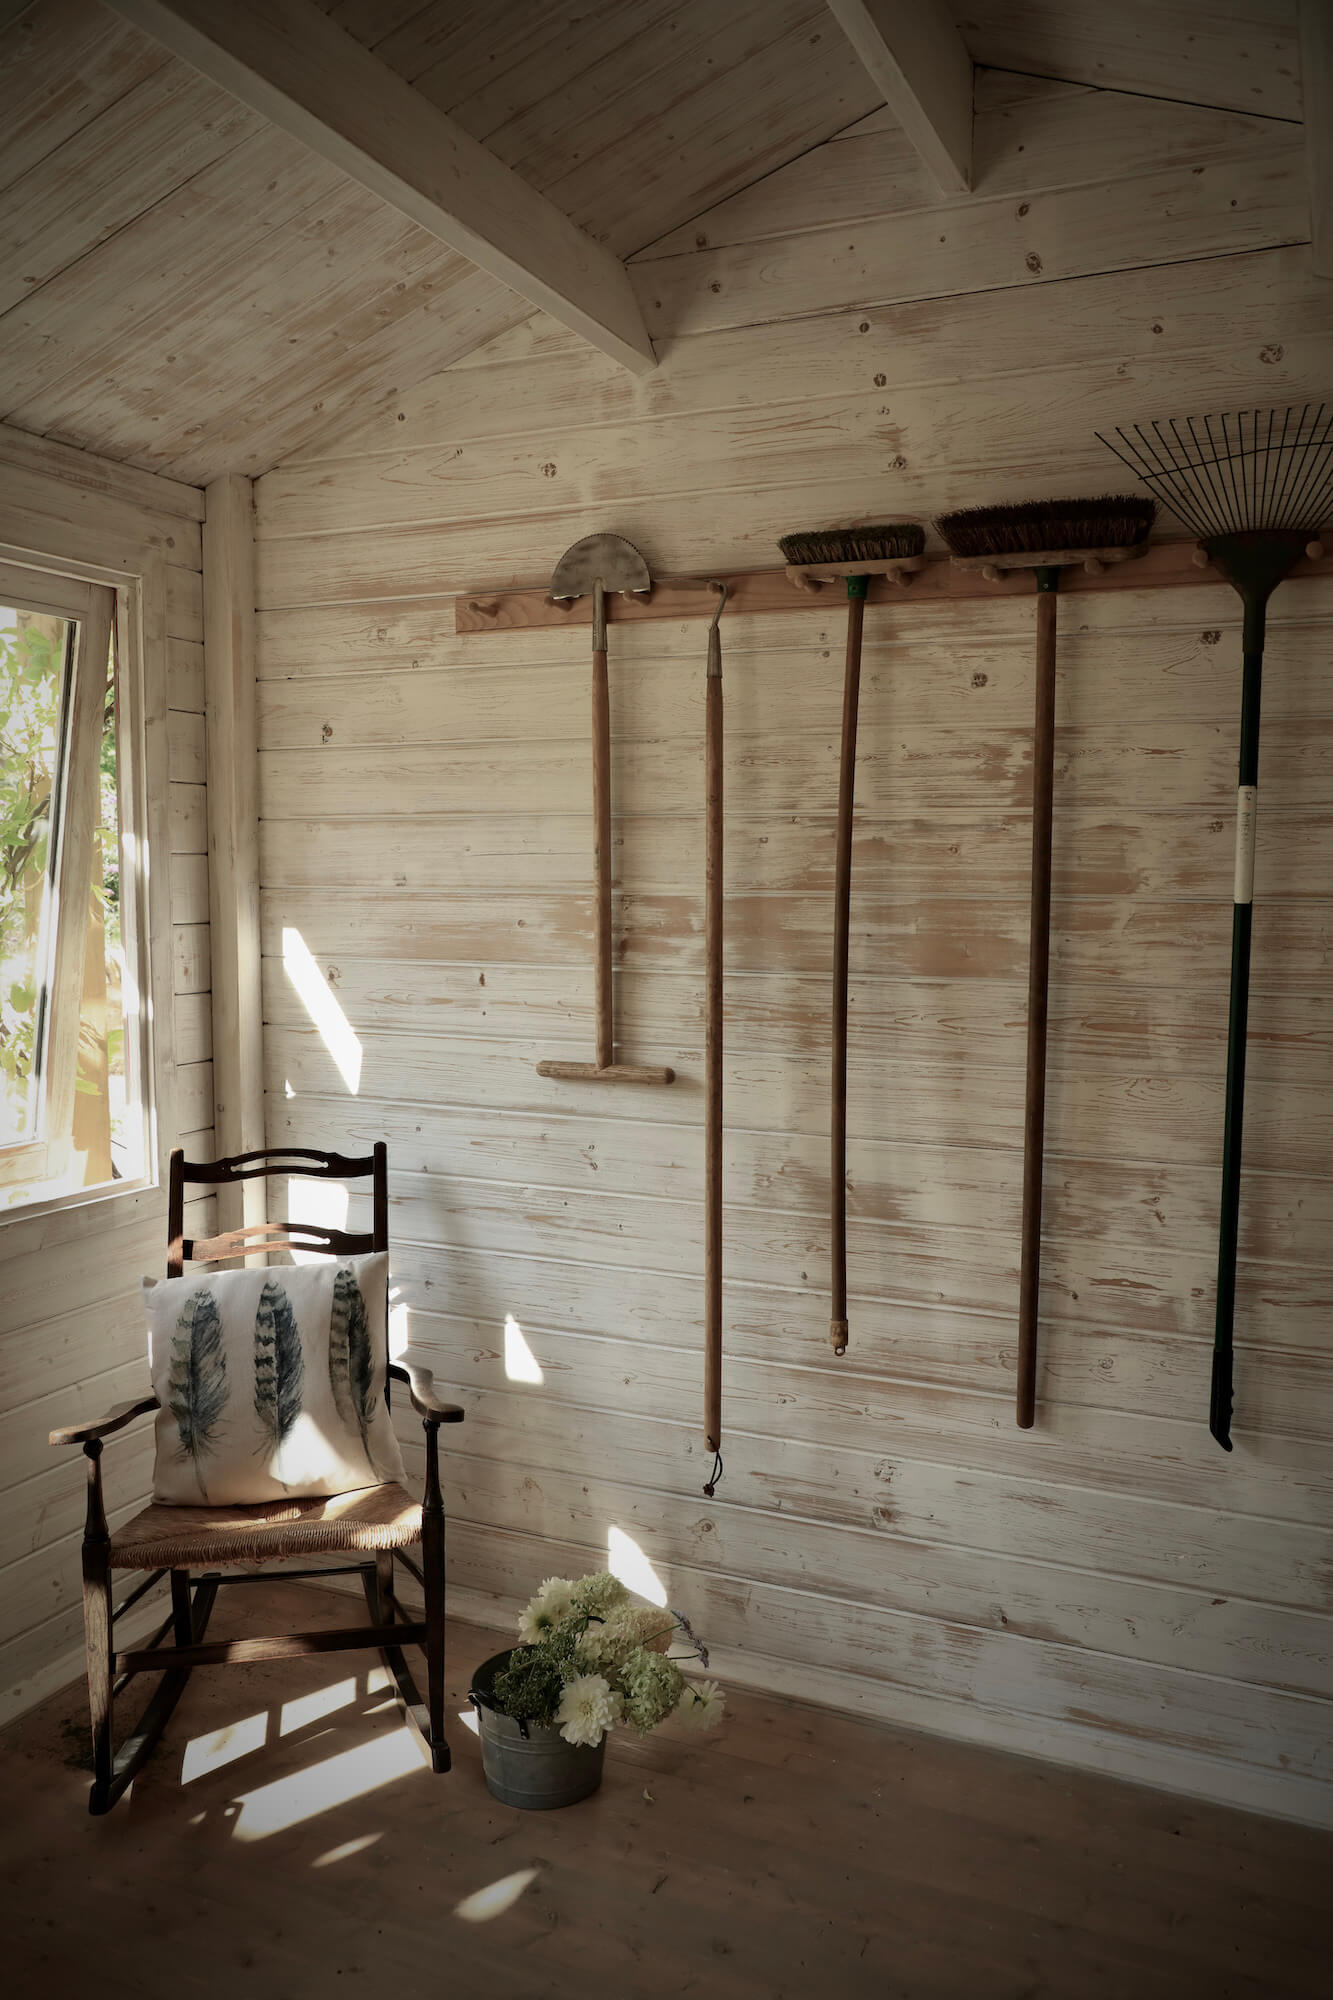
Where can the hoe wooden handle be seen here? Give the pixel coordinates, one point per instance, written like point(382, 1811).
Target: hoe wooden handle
point(1039, 963)
point(842, 909)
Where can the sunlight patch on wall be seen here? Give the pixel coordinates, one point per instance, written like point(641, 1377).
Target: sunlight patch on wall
point(317, 997)
point(323, 1204)
point(521, 1364)
point(350, 1775)
point(626, 1560)
point(400, 1336)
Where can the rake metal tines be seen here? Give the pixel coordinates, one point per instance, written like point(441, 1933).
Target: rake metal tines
point(1233, 474)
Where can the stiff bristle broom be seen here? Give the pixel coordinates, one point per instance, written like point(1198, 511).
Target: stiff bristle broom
point(1255, 487)
point(1044, 536)
point(893, 547)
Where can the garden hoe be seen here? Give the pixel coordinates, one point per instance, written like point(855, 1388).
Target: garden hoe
point(594, 566)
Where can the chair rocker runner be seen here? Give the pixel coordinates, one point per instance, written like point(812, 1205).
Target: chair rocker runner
point(195, 1545)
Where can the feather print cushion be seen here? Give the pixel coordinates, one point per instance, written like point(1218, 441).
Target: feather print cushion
point(271, 1383)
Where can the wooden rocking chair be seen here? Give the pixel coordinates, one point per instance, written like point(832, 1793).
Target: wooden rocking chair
point(382, 1522)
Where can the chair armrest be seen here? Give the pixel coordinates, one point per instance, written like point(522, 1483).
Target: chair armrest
point(421, 1391)
point(114, 1420)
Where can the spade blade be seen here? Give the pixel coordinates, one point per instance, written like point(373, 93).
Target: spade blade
point(606, 559)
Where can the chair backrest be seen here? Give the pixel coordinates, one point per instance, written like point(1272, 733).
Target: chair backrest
point(271, 1163)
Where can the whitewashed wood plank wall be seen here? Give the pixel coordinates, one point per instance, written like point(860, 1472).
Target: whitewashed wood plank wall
point(71, 1325)
point(840, 341)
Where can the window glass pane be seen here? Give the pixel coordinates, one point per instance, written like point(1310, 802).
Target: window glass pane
point(33, 651)
point(108, 1131)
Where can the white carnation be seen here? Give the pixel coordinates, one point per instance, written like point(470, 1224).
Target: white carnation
point(587, 1709)
point(701, 1705)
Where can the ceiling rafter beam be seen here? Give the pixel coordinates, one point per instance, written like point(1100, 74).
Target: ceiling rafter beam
point(297, 68)
point(918, 59)
point(1317, 93)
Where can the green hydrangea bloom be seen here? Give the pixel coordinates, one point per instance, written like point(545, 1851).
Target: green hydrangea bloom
point(595, 1595)
point(651, 1685)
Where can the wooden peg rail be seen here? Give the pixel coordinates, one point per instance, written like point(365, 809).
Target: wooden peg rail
point(1162, 565)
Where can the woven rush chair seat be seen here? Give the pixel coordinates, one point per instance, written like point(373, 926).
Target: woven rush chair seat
point(379, 1517)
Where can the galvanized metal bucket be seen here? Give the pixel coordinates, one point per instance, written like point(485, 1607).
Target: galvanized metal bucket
point(526, 1765)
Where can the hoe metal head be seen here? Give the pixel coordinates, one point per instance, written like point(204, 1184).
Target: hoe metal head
point(595, 565)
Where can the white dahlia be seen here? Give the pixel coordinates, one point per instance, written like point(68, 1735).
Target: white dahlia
point(553, 1602)
point(587, 1709)
point(701, 1705)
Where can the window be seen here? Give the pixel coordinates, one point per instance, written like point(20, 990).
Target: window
point(71, 1096)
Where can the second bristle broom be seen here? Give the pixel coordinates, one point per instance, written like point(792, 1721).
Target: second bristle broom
point(1045, 536)
point(889, 549)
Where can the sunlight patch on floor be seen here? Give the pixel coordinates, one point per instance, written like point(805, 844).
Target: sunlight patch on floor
point(223, 1746)
point(495, 1898)
point(626, 1560)
point(345, 1852)
point(348, 1775)
point(308, 1708)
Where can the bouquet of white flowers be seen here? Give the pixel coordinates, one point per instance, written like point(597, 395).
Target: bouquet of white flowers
point(589, 1658)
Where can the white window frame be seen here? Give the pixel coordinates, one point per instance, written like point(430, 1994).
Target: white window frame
point(145, 844)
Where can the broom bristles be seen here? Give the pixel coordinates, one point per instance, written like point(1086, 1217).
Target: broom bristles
point(889, 541)
point(1031, 527)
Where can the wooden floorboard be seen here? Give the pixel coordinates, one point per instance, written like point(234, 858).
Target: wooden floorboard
point(287, 1835)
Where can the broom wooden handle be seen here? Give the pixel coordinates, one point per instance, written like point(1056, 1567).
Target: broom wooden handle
point(842, 906)
point(713, 1065)
point(1039, 963)
point(601, 857)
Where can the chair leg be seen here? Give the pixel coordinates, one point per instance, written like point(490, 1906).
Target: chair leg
point(97, 1638)
point(182, 1619)
point(432, 1567)
point(98, 1646)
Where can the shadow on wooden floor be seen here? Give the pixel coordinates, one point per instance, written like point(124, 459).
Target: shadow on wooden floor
point(287, 1836)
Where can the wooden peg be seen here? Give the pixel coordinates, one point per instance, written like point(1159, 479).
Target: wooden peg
point(804, 581)
point(992, 573)
point(1201, 559)
point(1315, 550)
point(1093, 566)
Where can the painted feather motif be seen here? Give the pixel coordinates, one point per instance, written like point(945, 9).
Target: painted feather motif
point(352, 1358)
point(279, 1364)
point(197, 1387)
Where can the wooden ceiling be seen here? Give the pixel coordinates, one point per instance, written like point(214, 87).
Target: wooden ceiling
point(186, 289)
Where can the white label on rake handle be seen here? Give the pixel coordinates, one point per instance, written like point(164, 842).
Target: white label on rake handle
point(1247, 812)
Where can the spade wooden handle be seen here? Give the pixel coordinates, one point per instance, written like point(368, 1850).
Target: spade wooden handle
point(601, 856)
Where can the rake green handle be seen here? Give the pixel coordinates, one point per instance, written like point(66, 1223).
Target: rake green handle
point(1221, 1401)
